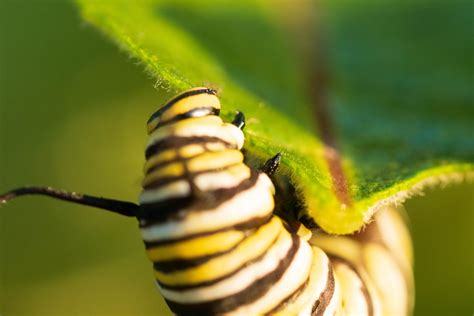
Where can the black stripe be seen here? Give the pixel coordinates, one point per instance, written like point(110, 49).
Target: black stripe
point(250, 294)
point(179, 98)
point(162, 181)
point(289, 298)
point(183, 264)
point(160, 212)
point(228, 275)
point(319, 307)
point(368, 299)
point(244, 226)
point(174, 142)
point(180, 159)
point(175, 209)
point(196, 112)
point(167, 162)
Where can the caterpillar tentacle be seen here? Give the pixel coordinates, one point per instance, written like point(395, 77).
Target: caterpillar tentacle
point(116, 206)
point(271, 165)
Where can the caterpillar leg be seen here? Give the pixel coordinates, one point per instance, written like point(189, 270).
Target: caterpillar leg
point(115, 206)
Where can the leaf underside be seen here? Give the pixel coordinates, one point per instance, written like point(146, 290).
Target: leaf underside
point(397, 106)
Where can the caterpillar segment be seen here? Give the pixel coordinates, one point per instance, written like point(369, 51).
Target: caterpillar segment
point(374, 266)
point(208, 226)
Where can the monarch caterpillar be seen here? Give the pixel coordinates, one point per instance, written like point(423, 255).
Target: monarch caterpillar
point(207, 221)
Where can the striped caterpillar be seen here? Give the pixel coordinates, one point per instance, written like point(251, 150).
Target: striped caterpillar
point(208, 224)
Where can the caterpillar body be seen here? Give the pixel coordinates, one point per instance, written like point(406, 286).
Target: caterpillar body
point(207, 221)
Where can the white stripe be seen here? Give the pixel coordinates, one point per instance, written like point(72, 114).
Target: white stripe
point(254, 202)
point(240, 280)
point(227, 132)
point(175, 189)
point(224, 179)
point(292, 279)
point(302, 305)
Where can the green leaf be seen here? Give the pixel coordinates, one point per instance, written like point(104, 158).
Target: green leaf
point(402, 94)
point(398, 103)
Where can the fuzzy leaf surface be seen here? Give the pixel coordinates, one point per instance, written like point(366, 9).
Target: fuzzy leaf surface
point(399, 97)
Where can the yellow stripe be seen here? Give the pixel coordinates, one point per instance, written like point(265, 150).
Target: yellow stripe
point(217, 146)
point(203, 100)
point(166, 155)
point(304, 233)
point(191, 150)
point(196, 247)
point(251, 248)
point(152, 125)
point(214, 160)
point(185, 105)
point(170, 154)
point(172, 170)
point(192, 123)
point(206, 161)
point(240, 171)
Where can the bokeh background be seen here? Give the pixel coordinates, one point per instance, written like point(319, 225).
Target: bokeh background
point(72, 115)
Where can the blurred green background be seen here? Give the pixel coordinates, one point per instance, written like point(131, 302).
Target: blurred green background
point(72, 115)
